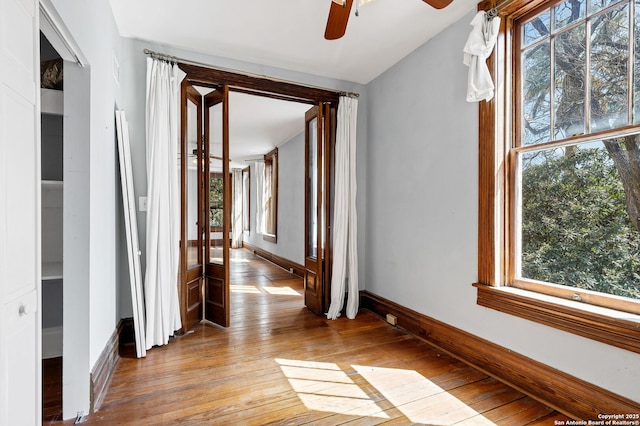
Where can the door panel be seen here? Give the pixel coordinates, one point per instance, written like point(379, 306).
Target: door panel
point(20, 246)
point(315, 286)
point(217, 191)
point(191, 255)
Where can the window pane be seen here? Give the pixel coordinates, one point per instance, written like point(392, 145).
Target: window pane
point(569, 93)
point(609, 69)
point(568, 12)
point(246, 203)
point(536, 29)
point(576, 229)
point(312, 182)
point(597, 5)
point(192, 185)
point(636, 68)
point(536, 77)
point(216, 191)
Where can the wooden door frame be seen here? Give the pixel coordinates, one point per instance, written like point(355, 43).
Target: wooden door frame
point(184, 278)
point(289, 91)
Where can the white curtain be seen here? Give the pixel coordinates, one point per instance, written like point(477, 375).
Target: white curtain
point(345, 231)
point(477, 49)
point(259, 172)
point(163, 201)
point(236, 208)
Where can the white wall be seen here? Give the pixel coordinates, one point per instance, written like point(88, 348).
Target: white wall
point(422, 221)
point(90, 312)
point(133, 71)
point(291, 212)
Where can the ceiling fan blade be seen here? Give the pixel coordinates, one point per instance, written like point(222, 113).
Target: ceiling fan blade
point(338, 18)
point(438, 4)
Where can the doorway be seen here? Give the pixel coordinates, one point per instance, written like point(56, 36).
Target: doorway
point(204, 278)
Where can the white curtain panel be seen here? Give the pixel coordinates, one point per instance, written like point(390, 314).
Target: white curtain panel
point(236, 210)
point(259, 173)
point(477, 49)
point(163, 201)
point(345, 231)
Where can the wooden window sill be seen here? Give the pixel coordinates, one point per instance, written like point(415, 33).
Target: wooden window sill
point(620, 329)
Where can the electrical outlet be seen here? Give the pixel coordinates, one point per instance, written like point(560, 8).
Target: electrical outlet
point(142, 204)
point(392, 319)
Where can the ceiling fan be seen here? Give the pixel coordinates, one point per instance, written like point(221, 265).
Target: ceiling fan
point(339, 16)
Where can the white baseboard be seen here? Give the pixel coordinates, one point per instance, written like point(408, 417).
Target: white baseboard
point(51, 342)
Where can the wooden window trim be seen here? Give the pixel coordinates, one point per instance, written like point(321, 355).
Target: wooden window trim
point(272, 158)
point(608, 326)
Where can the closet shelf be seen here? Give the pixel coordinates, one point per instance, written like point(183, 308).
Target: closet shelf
point(51, 271)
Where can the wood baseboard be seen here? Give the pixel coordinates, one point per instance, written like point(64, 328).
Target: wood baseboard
point(103, 369)
point(280, 261)
point(572, 396)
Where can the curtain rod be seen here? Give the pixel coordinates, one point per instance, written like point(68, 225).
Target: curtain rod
point(175, 59)
point(494, 8)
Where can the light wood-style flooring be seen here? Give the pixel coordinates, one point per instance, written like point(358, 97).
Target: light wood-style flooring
point(280, 364)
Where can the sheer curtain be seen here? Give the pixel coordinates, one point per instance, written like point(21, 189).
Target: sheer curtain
point(163, 205)
point(345, 234)
point(236, 209)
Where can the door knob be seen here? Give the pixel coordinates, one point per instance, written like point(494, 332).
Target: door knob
point(23, 309)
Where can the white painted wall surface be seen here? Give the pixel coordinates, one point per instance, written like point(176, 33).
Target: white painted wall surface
point(95, 313)
point(422, 214)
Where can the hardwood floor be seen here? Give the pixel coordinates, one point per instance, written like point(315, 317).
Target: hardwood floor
point(52, 389)
point(280, 364)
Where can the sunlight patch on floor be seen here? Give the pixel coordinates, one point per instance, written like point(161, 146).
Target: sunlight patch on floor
point(285, 291)
point(325, 387)
point(277, 291)
point(244, 289)
point(418, 398)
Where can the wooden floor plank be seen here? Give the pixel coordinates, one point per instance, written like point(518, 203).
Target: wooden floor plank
point(280, 364)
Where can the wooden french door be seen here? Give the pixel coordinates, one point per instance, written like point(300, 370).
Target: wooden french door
point(218, 206)
point(191, 255)
point(318, 171)
point(203, 278)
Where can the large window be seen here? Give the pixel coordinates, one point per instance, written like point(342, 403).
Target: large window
point(560, 163)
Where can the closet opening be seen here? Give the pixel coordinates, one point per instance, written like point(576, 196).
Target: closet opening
point(52, 110)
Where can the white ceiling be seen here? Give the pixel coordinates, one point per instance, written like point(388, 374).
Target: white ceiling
point(287, 34)
point(256, 125)
point(290, 33)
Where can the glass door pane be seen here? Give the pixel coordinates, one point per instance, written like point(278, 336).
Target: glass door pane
point(312, 188)
point(216, 186)
point(194, 237)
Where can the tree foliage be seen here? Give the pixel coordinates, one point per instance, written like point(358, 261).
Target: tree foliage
point(575, 230)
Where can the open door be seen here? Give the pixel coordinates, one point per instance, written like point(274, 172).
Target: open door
point(217, 194)
point(317, 191)
point(206, 205)
point(190, 271)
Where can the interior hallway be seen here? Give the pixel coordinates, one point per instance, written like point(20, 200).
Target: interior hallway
point(280, 364)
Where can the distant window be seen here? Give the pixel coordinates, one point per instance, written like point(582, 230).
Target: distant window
point(270, 198)
point(216, 206)
point(246, 203)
